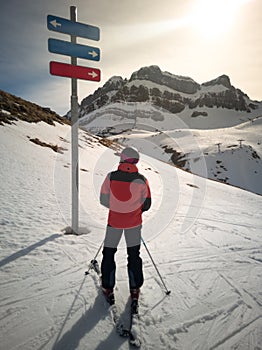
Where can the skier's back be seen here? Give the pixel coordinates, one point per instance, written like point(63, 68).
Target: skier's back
point(127, 195)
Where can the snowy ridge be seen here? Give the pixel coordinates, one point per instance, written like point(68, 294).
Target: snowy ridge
point(173, 93)
point(231, 154)
point(147, 114)
point(204, 236)
point(164, 103)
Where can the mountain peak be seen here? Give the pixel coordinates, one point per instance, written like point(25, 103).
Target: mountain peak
point(175, 82)
point(116, 79)
point(172, 92)
point(147, 73)
point(221, 80)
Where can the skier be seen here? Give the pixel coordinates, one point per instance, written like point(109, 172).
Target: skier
point(127, 195)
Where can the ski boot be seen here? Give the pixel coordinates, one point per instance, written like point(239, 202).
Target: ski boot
point(109, 295)
point(134, 293)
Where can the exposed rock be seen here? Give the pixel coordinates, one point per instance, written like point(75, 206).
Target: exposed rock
point(178, 83)
point(101, 96)
point(13, 108)
point(171, 92)
point(222, 80)
point(55, 148)
point(197, 114)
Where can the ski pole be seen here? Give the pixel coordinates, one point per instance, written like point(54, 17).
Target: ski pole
point(90, 266)
point(167, 291)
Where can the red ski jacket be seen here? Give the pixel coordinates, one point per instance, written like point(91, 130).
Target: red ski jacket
point(127, 194)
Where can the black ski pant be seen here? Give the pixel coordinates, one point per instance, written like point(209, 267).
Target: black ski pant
point(134, 261)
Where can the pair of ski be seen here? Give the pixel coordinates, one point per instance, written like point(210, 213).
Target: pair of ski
point(131, 332)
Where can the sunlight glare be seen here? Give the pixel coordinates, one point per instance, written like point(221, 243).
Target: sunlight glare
point(213, 18)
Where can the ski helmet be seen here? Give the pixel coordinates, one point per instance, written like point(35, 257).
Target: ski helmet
point(129, 155)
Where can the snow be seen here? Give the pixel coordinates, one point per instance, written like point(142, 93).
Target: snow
point(145, 113)
point(204, 236)
point(5, 112)
point(234, 163)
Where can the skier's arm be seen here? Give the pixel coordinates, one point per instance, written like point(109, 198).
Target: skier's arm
point(147, 198)
point(105, 192)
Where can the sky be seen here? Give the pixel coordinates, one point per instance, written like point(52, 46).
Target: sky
point(200, 39)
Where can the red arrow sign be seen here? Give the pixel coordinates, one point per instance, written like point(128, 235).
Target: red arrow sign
point(78, 72)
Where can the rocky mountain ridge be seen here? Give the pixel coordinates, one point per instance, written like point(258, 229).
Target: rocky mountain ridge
point(172, 92)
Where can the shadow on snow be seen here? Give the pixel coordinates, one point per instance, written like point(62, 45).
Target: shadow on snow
point(71, 339)
point(27, 250)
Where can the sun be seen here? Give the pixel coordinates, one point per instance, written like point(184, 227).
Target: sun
point(214, 18)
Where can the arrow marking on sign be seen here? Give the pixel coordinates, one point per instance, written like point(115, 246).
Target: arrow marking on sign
point(71, 71)
point(55, 23)
point(63, 25)
point(93, 53)
point(93, 74)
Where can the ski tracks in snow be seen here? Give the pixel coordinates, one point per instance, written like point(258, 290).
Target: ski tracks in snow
point(213, 270)
point(212, 294)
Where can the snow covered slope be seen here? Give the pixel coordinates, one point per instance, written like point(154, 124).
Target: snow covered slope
point(204, 236)
point(198, 105)
point(120, 116)
point(230, 155)
point(171, 111)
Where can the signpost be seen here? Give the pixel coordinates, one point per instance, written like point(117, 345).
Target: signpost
point(73, 71)
point(72, 27)
point(74, 50)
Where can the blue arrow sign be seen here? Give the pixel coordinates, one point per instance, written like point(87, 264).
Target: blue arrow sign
point(73, 50)
point(66, 26)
